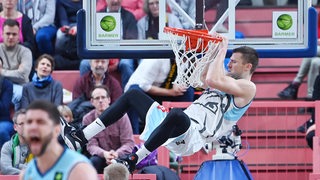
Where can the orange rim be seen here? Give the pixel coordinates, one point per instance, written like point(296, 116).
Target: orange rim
point(193, 36)
point(201, 33)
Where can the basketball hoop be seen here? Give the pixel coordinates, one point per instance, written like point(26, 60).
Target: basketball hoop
point(193, 49)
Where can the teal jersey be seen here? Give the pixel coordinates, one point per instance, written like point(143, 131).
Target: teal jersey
point(215, 113)
point(59, 171)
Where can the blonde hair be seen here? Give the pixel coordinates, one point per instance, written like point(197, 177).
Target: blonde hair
point(64, 109)
point(116, 171)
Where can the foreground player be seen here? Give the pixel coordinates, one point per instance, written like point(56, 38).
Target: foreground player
point(207, 119)
point(52, 160)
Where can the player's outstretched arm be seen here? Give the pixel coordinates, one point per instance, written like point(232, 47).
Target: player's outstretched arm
point(216, 77)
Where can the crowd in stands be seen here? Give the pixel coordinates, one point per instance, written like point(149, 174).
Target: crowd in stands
point(39, 37)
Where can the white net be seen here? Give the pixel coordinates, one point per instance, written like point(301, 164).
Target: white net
point(191, 57)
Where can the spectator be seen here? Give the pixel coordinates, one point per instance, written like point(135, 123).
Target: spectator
point(6, 91)
point(42, 14)
point(135, 7)
point(114, 141)
point(84, 85)
point(221, 6)
point(66, 113)
point(189, 6)
point(51, 160)
point(129, 31)
point(148, 26)
point(65, 46)
point(97, 76)
point(309, 126)
point(43, 86)
point(26, 36)
point(153, 76)
point(15, 153)
point(310, 67)
point(116, 172)
point(17, 59)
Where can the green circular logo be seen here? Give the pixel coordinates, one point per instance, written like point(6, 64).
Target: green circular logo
point(284, 21)
point(108, 23)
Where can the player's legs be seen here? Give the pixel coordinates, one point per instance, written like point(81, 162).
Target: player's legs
point(131, 99)
point(175, 124)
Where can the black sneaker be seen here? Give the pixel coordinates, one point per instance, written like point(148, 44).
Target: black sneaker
point(129, 161)
point(72, 137)
point(290, 92)
point(304, 127)
point(75, 140)
point(66, 128)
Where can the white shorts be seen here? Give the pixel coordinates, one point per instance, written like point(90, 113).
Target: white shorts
point(184, 145)
point(188, 143)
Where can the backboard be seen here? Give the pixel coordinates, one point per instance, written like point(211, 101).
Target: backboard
point(274, 31)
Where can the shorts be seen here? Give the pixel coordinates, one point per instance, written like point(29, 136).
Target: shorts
point(188, 143)
point(154, 118)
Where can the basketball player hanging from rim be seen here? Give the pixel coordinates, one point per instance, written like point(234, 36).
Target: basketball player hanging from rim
point(226, 98)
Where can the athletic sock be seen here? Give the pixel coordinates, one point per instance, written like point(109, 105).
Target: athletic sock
point(94, 128)
point(142, 153)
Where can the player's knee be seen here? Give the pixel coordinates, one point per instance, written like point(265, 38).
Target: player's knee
point(179, 116)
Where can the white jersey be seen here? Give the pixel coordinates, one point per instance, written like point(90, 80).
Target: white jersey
point(212, 116)
point(215, 113)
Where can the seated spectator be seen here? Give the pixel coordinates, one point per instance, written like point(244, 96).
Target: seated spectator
point(309, 67)
point(114, 141)
point(15, 153)
point(116, 172)
point(155, 77)
point(189, 6)
point(66, 113)
point(65, 46)
point(17, 59)
point(81, 94)
point(43, 86)
point(148, 26)
point(26, 36)
point(309, 126)
point(221, 6)
point(42, 14)
point(6, 93)
point(133, 6)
